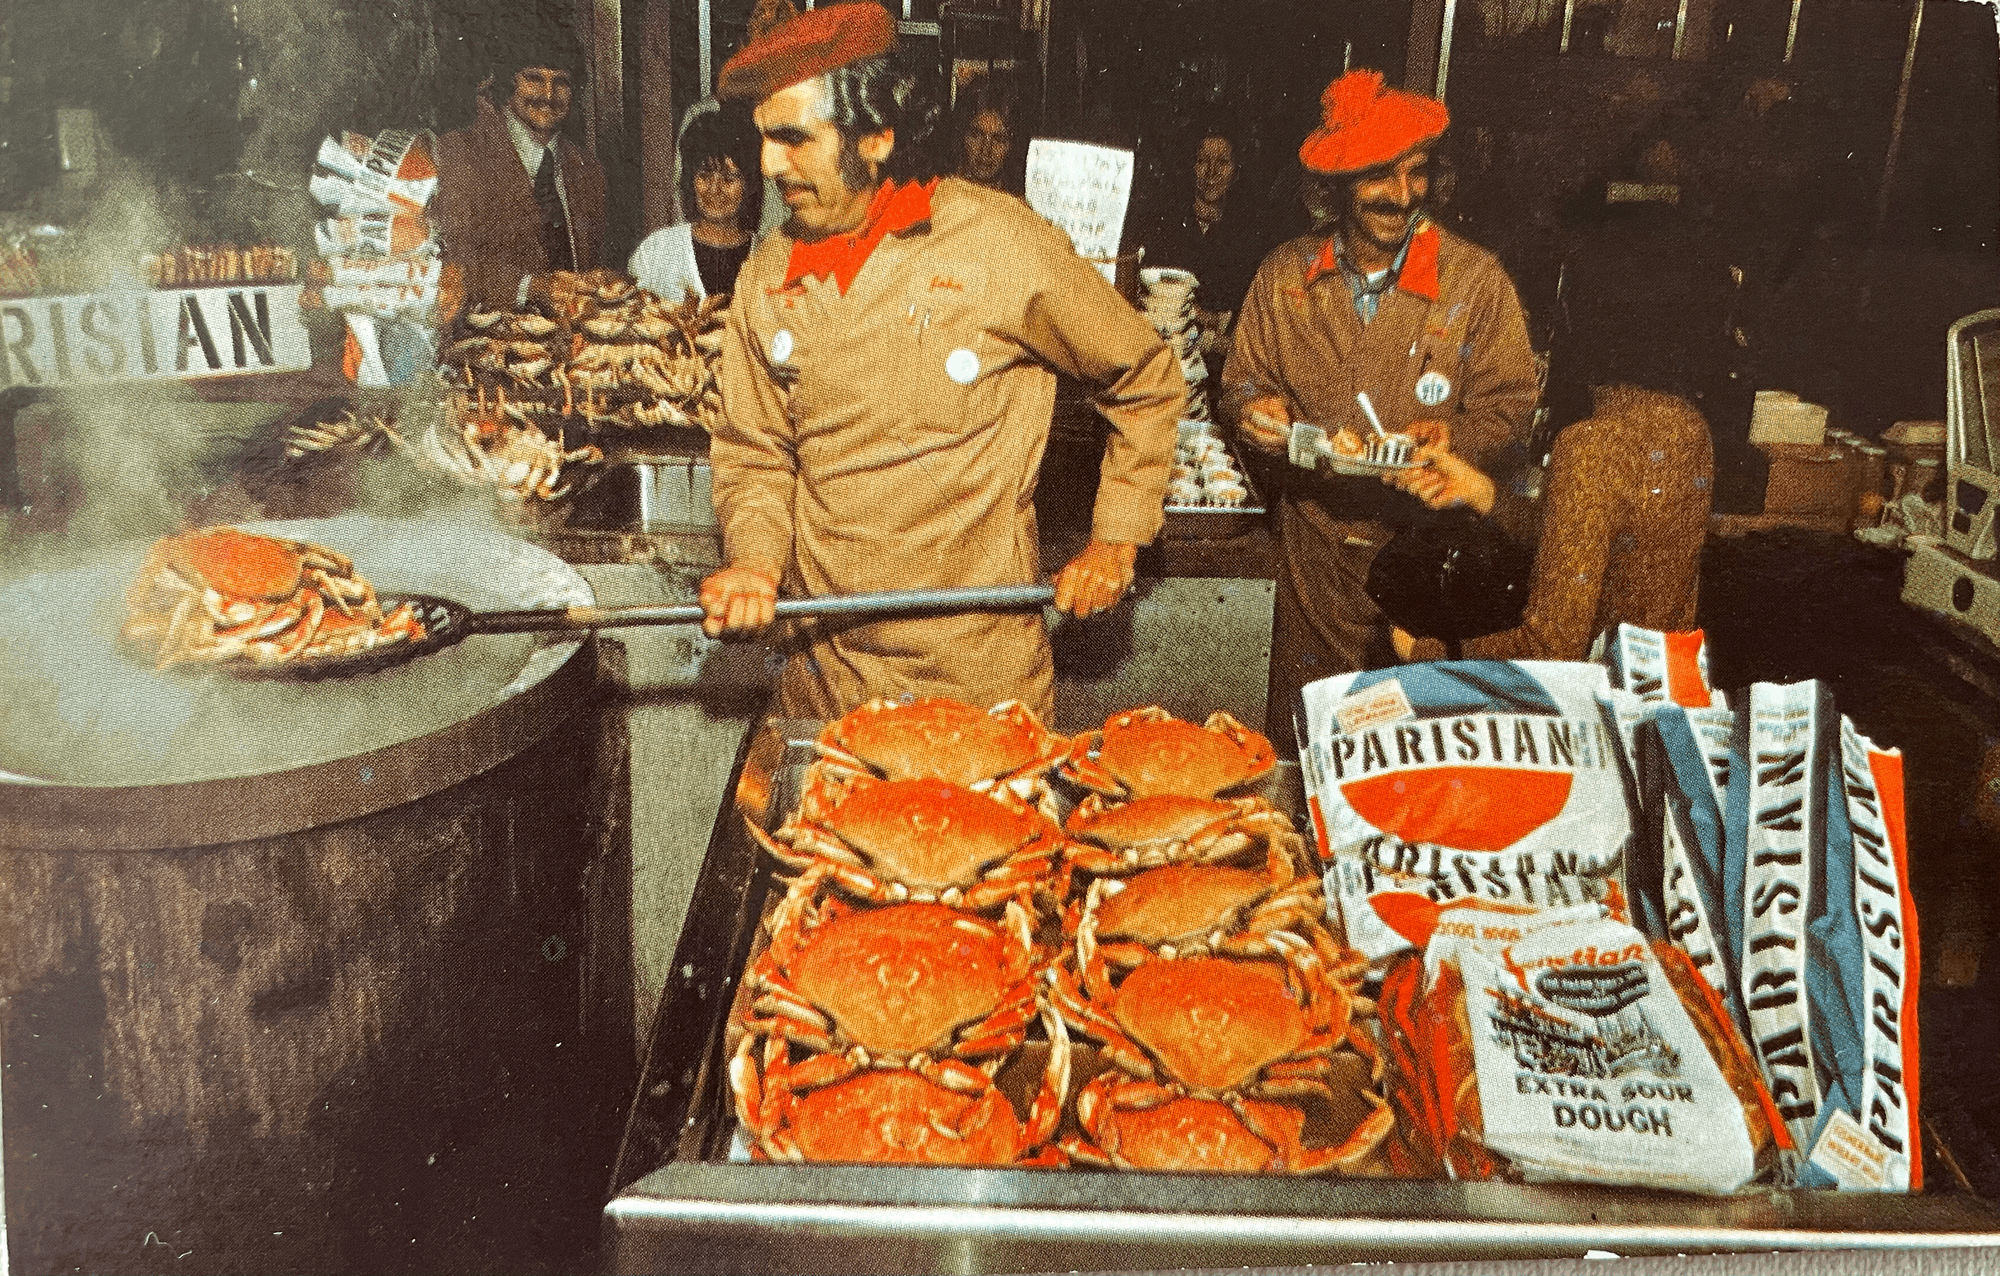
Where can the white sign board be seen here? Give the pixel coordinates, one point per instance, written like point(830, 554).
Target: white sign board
point(153, 335)
point(1084, 190)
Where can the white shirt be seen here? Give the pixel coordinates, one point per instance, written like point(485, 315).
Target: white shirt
point(664, 264)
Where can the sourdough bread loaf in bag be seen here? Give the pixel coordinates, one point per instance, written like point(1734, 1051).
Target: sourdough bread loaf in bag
point(1676, 871)
point(1490, 786)
point(1775, 885)
point(1868, 1138)
point(1596, 1057)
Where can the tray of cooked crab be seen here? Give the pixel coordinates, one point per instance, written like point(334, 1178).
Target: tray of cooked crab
point(598, 348)
point(989, 944)
point(1209, 493)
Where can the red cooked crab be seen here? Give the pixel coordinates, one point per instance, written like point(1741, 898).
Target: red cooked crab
point(1147, 751)
point(221, 593)
point(1190, 910)
point(1212, 1026)
point(1170, 828)
point(916, 987)
point(1145, 1126)
point(943, 739)
point(903, 1119)
point(917, 841)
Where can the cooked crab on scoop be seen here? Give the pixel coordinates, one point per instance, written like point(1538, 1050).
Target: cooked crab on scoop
point(221, 593)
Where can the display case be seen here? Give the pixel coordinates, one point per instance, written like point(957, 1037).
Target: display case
point(683, 1201)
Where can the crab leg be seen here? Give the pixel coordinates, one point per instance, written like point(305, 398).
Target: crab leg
point(1002, 1030)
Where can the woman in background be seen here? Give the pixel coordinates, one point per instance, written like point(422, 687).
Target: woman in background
point(720, 185)
point(1205, 224)
point(1640, 361)
point(990, 138)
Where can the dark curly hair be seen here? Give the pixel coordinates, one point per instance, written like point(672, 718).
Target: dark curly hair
point(538, 33)
point(725, 133)
point(878, 94)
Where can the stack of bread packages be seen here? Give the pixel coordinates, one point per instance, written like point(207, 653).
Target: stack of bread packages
point(380, 268)
point(1625, 932)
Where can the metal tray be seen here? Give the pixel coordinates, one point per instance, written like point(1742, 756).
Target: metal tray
point(680, 1205)
point(1216, 522)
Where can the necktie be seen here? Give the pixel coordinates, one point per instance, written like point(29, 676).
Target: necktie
point(555, 227)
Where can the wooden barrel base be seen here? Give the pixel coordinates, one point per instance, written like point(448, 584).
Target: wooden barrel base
point(388, 1045)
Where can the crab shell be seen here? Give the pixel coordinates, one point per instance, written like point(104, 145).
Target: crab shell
point(917, 840)
point(241, 564)
point(911, 982)
point(1212, 1026)
point(896, 1116)
point(1171, 828)
point(1144, 752)
point(1139, 1125)
point(943, 739)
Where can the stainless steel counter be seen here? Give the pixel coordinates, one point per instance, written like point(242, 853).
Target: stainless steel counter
point(682, 1205)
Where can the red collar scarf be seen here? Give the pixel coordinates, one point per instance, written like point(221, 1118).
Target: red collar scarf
point(1418, 277)
point(894, 209)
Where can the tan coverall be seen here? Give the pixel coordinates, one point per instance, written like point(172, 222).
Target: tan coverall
point(1465, 348)
point(891, 439)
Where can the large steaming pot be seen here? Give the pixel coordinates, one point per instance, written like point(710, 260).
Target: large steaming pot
point(299, 976)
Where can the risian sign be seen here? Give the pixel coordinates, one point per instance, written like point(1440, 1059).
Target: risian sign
point(137, 336)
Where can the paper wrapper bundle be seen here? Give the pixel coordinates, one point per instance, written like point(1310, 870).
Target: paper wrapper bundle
point(390, 173)
point(1565, 1046)
point(381, 268)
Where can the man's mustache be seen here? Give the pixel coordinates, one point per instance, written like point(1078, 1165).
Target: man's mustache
point(1390, 210)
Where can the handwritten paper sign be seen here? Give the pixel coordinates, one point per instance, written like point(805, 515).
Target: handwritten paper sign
point(1084, 190)
point(138, 336)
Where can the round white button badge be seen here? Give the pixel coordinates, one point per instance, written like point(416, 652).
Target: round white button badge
point(962, 366)
point(781, 345)
point(1433, 388)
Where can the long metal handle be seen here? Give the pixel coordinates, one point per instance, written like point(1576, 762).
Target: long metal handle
point(894, 602)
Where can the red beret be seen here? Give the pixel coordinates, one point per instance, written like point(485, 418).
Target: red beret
point(797, 49)
point(1364, 124)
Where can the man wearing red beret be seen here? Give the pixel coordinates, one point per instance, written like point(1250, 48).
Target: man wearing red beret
point(887, 381)
point(1377, 300)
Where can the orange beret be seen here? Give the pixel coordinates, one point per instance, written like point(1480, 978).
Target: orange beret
point(797, 49)
point(1363, 124)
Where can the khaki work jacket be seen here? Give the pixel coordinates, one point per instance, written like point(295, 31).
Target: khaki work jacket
point(890, 438)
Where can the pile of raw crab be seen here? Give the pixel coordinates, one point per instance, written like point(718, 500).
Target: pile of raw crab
point(600, 348)
point(1000, 946)
point(222, 594)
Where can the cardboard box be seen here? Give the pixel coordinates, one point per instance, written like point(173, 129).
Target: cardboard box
point(1810, 479)
point(1783, 421)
